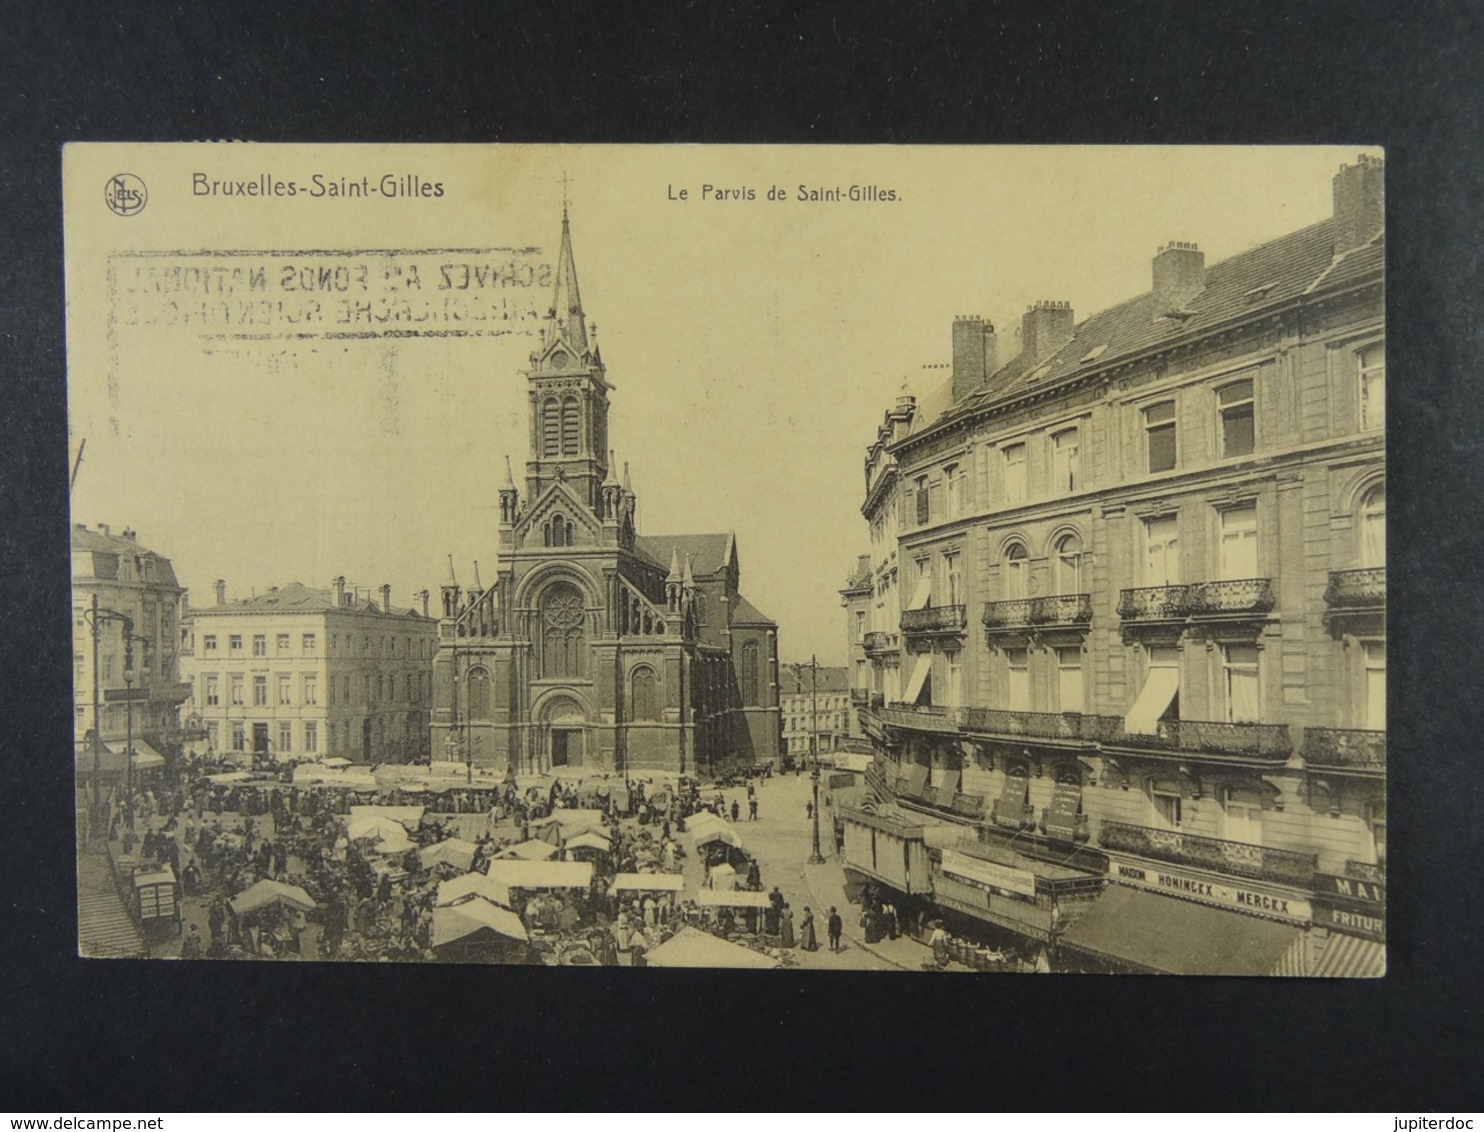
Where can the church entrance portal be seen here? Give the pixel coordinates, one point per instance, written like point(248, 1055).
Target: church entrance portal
point(566, 746)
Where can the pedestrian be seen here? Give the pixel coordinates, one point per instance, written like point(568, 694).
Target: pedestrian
point(808, 810)
point(835, 925)
point(786, 927)
point(938, 941)
point(736, 810)
point(889, 911)
point(808, 940)
point(752, 808)
point(190, 947)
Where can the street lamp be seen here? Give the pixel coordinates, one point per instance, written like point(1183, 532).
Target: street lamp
point(95, 617)
point(815, 857)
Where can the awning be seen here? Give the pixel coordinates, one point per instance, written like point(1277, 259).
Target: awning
point(588, 841)
point(1154, 697)
point(947, 787)
point(648, 882)
point(920, 672)
point(541, 874)
point(146, 756)
point(916, 776)
point(720, 898)
point(924, 591)
point(270, 892)
point(533, 850)
point(472, 885)
point(691, 947)
point(1350, 957)
point(454, 923)
point(1167, 935)
point(454, 851)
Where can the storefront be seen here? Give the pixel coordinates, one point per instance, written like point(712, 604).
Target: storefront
point(1349, 938)
point(997, 886)
point(886, 845)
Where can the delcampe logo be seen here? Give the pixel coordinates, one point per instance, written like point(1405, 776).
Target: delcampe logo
point(125, 194)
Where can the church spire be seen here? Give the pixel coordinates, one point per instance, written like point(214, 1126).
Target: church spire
point(565, 321)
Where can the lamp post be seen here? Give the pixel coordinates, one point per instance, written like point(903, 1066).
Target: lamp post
point(95, 617)
point(815, 856)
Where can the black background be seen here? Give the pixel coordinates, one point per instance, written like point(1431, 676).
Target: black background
point(82, 1036)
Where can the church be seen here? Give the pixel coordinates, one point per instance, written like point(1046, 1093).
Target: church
point(598, 647)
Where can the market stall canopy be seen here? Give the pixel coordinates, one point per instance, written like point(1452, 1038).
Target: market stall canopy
point(471, 885)
point(718, 833)
point(454, 851)
point(335, 763)
point(542, 874)
point(533, 850)
point(409, 817)
point(718, 898)
point(588, 841)
point(267, 892)
point(691, 947)
point(145, 756)
point(375, 827)
point(351, 780)
point(648, 882)
point(229, 778)
point(396, 845)
point(462, 920)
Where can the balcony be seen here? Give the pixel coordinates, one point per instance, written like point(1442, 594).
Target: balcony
point(1264, 742)
point(1081, 827)
point(919, 718)
point(860, 697)
point(937, 619)
point(1065, 726)
point(1339, 748)
point(1236, 858)
point(877, 644)
point(1024, 613)
point(1013, 816)
point(1243, 595)
point(1154, 603)
point(1356, 589)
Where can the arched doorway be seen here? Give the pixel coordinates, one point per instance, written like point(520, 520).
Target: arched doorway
point(565, 728)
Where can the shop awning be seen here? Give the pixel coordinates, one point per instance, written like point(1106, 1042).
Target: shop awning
point(146, 756)
point(947, 787)
point(1350, 957)
point(921, 669)
point(1166, 935)
point(1154, 697)
point(923, 593)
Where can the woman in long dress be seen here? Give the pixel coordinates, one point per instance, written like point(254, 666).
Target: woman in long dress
point(808, 938)
point(786, 927)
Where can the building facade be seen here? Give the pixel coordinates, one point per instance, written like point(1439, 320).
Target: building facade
point(819, 704)
point(302, 672)
point(134, 583)
point(1143, 603)
point(597, 646)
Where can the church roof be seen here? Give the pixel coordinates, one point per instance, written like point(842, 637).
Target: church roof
point(708, 553)
point(745, 613)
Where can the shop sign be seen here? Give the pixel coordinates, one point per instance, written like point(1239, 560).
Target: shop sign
point(1207, 891)
point(1061, 815)
point(1367, 925)
point(987, 872)
point(1350, 888)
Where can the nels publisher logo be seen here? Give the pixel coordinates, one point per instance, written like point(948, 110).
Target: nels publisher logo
point(125, 194)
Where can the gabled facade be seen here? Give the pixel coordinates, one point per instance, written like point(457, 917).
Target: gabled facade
point(597, 647)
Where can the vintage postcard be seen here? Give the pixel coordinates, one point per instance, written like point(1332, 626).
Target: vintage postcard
point(960, 559)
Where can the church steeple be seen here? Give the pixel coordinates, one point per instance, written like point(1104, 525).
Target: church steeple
point(565, 321)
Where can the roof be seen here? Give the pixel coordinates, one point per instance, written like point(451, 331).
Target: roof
point(745, 613)
point(800, 680)
point(299, 598)
point(708, 553)
point(541, 874)
point(460, 921)
point(110, 546)
point(691, 947)
point(1261, 278)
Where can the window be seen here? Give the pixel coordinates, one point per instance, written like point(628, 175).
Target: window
point(922, 500)
point(283, 644)
point(208, 642)
point(1166, 808)
point(1067, 565)
point(1239, 663)
point(239, 737)
point(311, 736)
point(212, 692)
point(1018, 686)
point(311, 689)
point(1159, 436)
point(259, 644)
point(954, 477)
point(1373, 527)
point(1371, 366)
point(234, 643)
point(1016, 569)
point(571, 424)
point(235, 689)
point(285, 690)
point(369, 697)
point(1239, 542)
point(1014, 473)
point(558, 531)
point(1241, 816)
point(1375, 685)
point(643, 699)
point(213, 735)
point(750, 664)
point(551, 427)
point(563, 618)
point(860, 624)
point(260, 691)
point(1069, 679)
point(951, 579)
point(1238, 421)
point(478, 683)
point(286, 735)
point(308, 644)
point(1162, 551)
point(1066, 461)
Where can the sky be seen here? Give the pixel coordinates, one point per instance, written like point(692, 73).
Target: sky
point(753, 344)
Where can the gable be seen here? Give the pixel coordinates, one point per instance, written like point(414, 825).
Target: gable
point(558, 499)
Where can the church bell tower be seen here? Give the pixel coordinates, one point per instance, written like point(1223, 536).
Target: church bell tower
point(568, 393)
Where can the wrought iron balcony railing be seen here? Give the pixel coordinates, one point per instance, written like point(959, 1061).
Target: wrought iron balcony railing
point(1243, 595)
point(1040, 724)
point(934, 619)
point(1236, 858)
point(968, 805)
point(1013, 614)
point(918, 717)
point(1266, 741)
point(1356, 589)
point(1154, 603)
point(1345, 749)
point(1053, 609)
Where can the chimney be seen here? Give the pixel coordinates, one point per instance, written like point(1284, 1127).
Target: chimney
point(1045, 328)
point(103, 527)
point(423, 595)
point(386, 598)
point(221, 591)
point(973, 355)
point(129, 533)
point(862, 563)
point(1360, 202)
point(340, 592)
point(1179, 276)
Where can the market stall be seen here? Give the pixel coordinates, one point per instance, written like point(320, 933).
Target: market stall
point(479, 932)
point(454, 852)
point(470, 886)
point(156, 901)
point(533, 850)
point(270, 893)
point(691, 947)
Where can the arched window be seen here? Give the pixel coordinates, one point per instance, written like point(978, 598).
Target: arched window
point(642, 702)
point(1068, 565)
point(562, 639)
point(558, 531)
point(1373, 527)
point(571, 422)
point(750, 673)
point(698, 603)
point(479, 692)
point(551, 427)
point(1016, 569)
